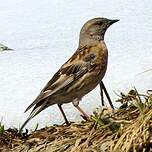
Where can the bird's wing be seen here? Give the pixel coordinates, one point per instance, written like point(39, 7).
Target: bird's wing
point(76, 67)
point(67, 74)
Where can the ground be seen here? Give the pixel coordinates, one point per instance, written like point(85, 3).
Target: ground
point(128, 128)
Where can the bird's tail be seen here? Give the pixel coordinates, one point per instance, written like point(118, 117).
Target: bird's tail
point(23, 125)
point(37, 109)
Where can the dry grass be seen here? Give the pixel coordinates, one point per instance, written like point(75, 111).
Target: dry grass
point(126, 129)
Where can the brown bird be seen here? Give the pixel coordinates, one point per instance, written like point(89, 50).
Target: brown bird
point(80, 74)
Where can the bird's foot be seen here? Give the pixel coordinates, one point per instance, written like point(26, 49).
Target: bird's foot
point(67, 123)
point(84, 117)
point(76, 104)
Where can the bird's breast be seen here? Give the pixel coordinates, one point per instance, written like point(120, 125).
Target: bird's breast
point(100, 54)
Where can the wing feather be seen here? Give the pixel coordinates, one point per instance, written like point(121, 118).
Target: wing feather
point(67, 74)
point(46, 93)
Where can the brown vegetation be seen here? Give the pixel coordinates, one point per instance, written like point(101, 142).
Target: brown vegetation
point(127, 129)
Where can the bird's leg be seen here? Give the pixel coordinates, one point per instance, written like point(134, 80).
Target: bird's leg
point(101, 93)
point(102, 87)
point(64, 116)
point(76, 104)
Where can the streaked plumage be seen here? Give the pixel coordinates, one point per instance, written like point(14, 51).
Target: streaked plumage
point(81, 73)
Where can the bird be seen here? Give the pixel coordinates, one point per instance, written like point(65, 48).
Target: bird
point(4, 48)
point(78, 76)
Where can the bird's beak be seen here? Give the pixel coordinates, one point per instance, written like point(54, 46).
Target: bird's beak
point(113, 21)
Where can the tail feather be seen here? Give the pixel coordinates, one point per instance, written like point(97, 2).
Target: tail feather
point(36, 102)
point(23, 125)
point(31, 105)
point(37, 109)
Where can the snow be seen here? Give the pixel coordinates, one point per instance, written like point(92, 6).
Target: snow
point(44, 34)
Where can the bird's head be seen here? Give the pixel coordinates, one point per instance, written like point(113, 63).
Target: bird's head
point(94, 30)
